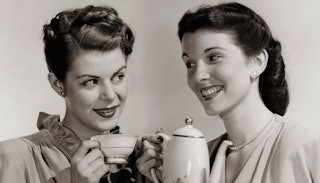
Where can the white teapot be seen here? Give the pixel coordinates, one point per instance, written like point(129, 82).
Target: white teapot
point(186, 156)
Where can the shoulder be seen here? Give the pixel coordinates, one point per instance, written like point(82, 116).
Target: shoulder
point(300, 146)
point(12, 145)
point(296, 133)
point(295, 138)
point(14, 150)
point(21, 148)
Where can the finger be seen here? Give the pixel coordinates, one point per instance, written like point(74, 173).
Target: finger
point(157, 139)
point(89, 158)
point(147, 145)
point(138, 144)
point(159, 174)
point(141, 143)
point(84, 148)
point(101, 170)
point(147, 155)
point(96, 165)
point(145, 168)
point(150, 145)
point(93, 166)
point(164, 136)
point(148, 160)
point(156, 175)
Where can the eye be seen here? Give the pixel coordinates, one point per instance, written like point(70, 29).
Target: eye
point(90, 83)
point(118, 77)
point(190, 64)
point(213, 57)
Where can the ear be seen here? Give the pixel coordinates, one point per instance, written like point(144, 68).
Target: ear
point(56, 84)
point(258, 64)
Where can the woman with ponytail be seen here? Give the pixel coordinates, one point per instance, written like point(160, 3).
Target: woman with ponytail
point(235, 68)
point(86, 51)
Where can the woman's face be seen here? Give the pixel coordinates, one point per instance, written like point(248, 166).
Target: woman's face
point(96, 90)
point(217, 70)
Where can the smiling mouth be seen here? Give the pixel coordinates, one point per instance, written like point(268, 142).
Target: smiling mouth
point(106, 112)
point(210, 91)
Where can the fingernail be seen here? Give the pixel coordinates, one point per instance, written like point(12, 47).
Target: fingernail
point(160, 139)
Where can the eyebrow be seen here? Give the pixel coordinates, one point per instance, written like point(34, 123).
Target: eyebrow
point(205, 51)
point(88, 75)
point(213, 48)
point(121, 68)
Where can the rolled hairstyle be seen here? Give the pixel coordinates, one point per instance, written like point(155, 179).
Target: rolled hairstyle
point(251, 33)
point(90, 28)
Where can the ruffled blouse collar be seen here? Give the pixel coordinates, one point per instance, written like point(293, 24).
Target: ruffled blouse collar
point(64, 138)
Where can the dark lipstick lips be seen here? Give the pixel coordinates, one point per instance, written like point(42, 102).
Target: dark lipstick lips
point(106, 112)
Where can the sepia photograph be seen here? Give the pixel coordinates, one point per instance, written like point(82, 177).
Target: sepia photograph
point(116, 91)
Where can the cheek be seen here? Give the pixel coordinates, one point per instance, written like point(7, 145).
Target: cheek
point(82, 97)
point(190, 81)
point(236, 81)
point(122, 90)
point(232, 72)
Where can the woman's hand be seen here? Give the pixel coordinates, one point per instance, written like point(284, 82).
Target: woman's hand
point(88, 166)
point(149, 155)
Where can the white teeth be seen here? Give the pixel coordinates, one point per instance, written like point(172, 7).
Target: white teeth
point(210, 91)
point(105, 112)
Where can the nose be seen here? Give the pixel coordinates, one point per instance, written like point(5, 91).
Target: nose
point(107, 92)
point(202, 73)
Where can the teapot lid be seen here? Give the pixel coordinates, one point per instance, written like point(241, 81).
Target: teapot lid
point(188, 130)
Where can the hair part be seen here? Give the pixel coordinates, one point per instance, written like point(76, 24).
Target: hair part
point(251, 33)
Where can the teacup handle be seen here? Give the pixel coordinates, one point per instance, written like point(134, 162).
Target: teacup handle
point(95, 139)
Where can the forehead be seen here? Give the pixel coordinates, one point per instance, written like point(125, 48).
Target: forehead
point(98, 61)
point(201, 40)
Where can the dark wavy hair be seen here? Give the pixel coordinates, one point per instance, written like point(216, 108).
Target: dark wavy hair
point(89, 28)
point(252, 35)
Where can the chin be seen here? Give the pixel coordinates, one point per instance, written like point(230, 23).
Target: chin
point(211, 111)
point(107, 125)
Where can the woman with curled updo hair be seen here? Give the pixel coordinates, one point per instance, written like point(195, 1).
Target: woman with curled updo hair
point(86, 52)
point(235, 68)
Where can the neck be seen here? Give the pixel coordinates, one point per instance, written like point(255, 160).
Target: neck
point(82, 131)
point(245, 122)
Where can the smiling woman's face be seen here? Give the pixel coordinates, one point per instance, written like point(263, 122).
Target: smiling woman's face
point(96, 90)
point(218, 72)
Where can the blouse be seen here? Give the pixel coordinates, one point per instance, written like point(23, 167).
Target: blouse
point(45, 156)
point(284, 152)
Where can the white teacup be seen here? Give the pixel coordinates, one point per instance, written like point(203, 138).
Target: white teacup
point(116, 147)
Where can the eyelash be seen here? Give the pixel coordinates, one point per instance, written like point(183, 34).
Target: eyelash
point(120, 76)
point(213, 57)
point(89, 82)
point(189, 65)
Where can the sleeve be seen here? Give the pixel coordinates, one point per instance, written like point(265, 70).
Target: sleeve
point(307, 160)
point(11, 169)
